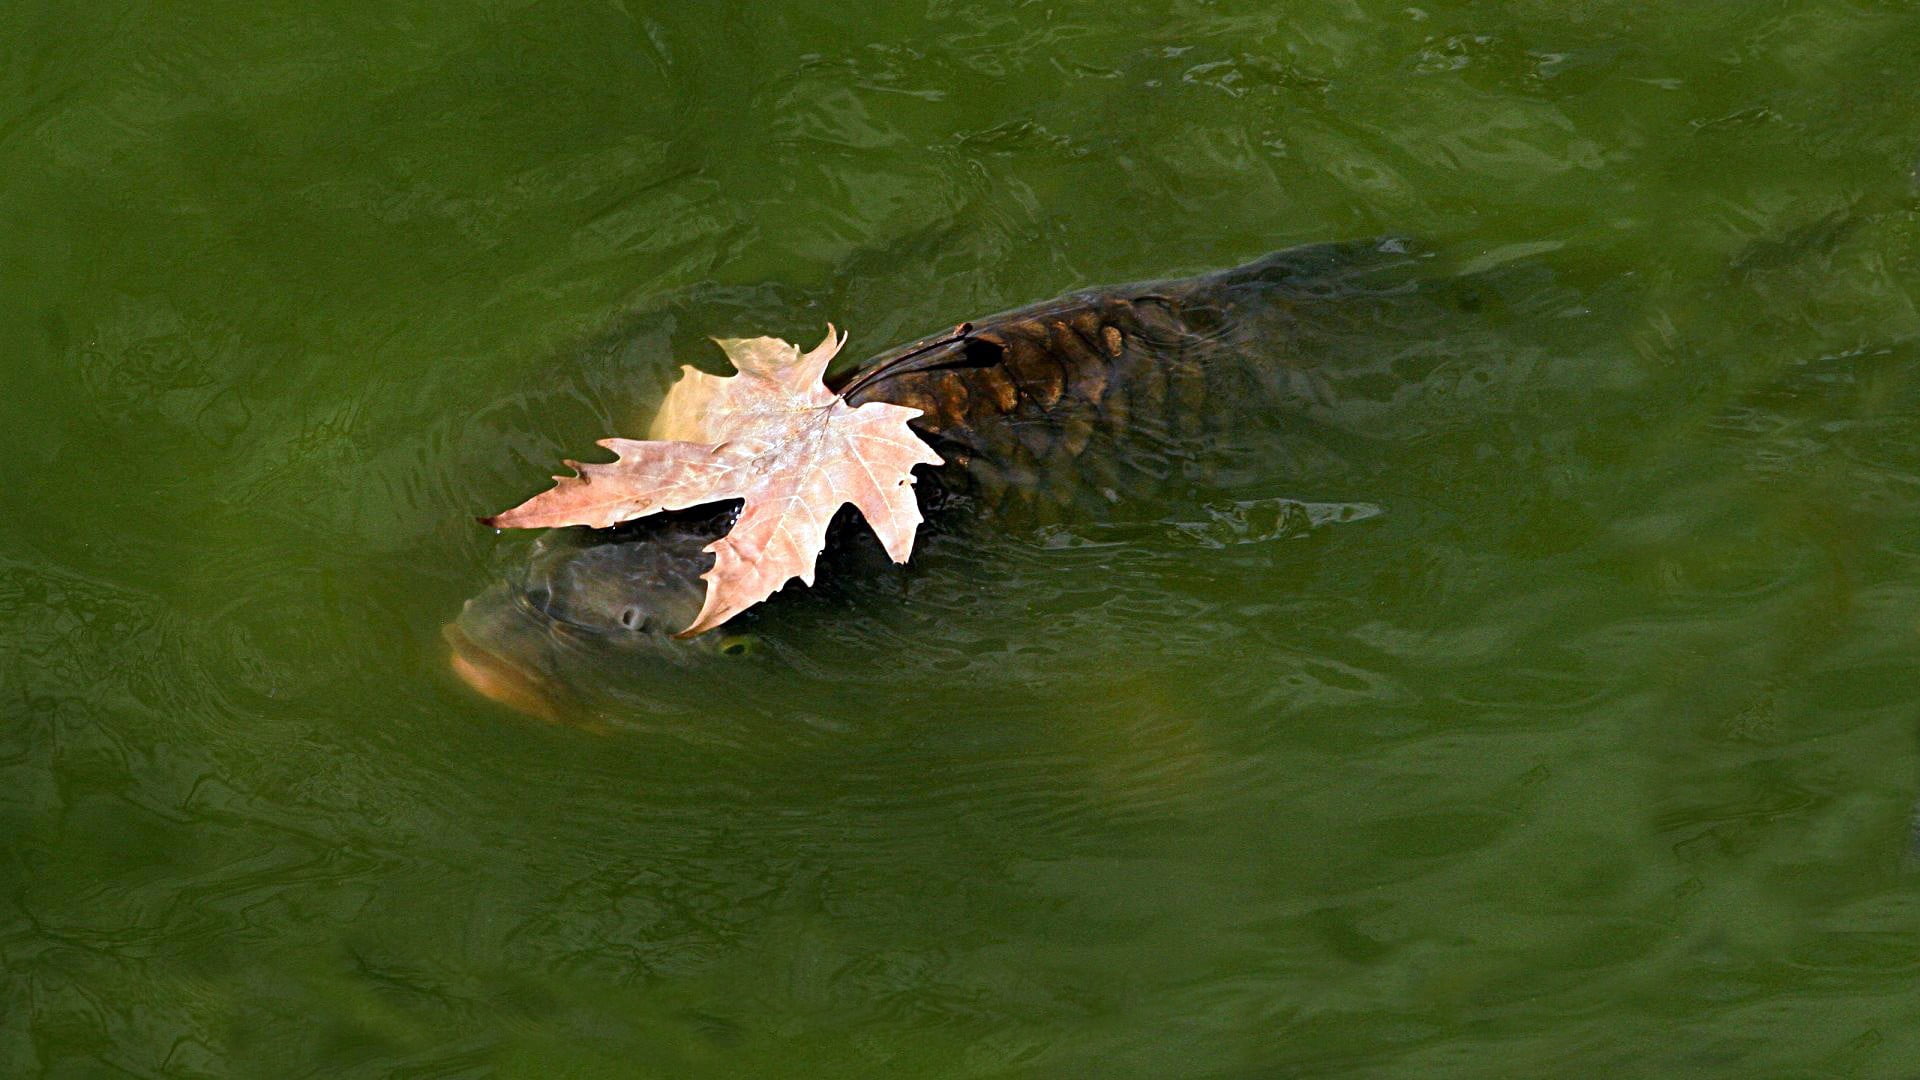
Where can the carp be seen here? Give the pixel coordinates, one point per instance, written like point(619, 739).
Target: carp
point(1049, 412)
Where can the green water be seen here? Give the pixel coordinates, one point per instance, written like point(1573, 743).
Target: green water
point(1595, 749)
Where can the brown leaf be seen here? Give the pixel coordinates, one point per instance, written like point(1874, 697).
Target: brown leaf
point(773, 436)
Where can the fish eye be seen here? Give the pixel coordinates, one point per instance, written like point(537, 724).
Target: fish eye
point(736, 645)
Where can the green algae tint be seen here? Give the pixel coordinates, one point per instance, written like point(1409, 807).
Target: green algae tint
point(1545, 702)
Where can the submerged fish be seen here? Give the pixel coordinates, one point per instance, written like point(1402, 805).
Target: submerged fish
point(1046, 412)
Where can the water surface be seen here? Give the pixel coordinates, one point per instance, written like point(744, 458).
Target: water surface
point(1584, 739)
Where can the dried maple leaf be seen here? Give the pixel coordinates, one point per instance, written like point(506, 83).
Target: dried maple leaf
point(772, 436)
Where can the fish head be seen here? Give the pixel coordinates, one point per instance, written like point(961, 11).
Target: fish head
point(587, 601)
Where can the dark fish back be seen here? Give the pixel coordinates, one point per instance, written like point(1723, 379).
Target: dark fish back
point(1101, 394)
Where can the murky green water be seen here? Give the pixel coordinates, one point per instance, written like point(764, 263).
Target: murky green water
point(1594, 749)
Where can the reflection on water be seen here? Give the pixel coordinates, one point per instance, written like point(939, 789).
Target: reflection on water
point(1538, 688)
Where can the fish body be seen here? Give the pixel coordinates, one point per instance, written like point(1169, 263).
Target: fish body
point(1085, 400)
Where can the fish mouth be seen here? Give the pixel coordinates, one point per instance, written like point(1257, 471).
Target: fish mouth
point(496, 678)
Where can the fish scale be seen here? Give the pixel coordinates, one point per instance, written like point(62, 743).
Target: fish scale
point(1031, 406)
